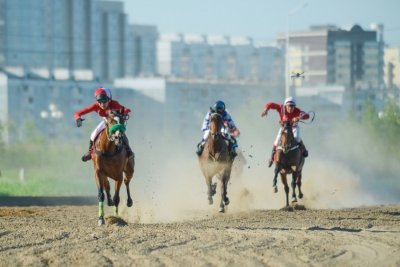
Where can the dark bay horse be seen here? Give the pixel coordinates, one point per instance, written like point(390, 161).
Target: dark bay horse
point(215, 160)
point(288, 159)
point(110, 161)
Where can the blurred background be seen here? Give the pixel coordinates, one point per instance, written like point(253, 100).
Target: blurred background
point(169, 62)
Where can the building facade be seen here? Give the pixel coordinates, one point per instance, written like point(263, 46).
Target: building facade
point(218, 58)
point(75, 35)
point(333, 56)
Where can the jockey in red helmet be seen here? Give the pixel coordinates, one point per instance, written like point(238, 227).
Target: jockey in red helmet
point(287, 112)
point(104, 103)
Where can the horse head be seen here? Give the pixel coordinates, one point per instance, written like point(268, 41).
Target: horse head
point(115, 127)
point(287, 137)
point(216, 124)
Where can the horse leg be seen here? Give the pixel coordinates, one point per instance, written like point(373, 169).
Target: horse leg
point(299, 185)
point(274, 184)
point(107, 189)
point(285, 184)
point(226, 198)
point(224, 192)
point(294, 178)
point(100, 196)
point(128, 174)
point(116, 198)
point(129, 202)
point(211, 189)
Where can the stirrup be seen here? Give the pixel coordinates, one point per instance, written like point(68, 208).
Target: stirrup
point(270, 162)
point(200, 148)
point(86, 157)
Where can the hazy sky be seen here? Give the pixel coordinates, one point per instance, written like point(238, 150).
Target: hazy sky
point(263, 19)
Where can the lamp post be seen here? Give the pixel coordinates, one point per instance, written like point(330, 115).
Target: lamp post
point(287, 64)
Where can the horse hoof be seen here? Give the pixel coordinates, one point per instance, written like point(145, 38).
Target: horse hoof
point(110, 203)
point(221, 209)
point(275, 189)
point(129, 203)
point(294, 199)
point(226, 201)
point(101, 221)
point(301, 196)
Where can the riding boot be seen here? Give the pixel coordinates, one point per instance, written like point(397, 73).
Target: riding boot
point(200, 147)
point(88, 155)
point(128, 149)
point(232, 147)
point(271, 160)
point(303, 148)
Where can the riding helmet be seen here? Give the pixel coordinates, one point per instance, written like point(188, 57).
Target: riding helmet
point(103, 91)
point(290, 101)
point(219, 106)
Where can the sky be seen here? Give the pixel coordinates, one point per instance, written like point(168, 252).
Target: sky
point(263, 19)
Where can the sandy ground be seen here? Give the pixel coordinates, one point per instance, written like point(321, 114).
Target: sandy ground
point(69, 236)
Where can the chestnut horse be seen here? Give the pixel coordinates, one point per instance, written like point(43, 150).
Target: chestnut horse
point(216, 160)
point(288, 159)
point(110, 161)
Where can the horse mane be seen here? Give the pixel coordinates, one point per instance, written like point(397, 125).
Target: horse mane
point(288, 145)
point(216, 145)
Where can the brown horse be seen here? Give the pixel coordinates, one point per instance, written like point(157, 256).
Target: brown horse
point(288, 159)
point(215, 160)
point(110, 161)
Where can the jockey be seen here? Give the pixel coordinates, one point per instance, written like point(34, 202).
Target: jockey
point(231, 134)
point(104, 103)
point(287, 112)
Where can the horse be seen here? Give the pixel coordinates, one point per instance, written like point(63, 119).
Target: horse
point(110, 161)
point(288, 159)
point(216, 160)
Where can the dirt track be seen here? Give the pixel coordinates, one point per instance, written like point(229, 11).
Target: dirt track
point(69, 236)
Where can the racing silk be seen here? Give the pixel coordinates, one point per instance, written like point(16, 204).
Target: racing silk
point(113, 105)
point(225, 117)
point(285, 116)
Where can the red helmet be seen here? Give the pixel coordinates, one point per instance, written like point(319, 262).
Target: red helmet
point(101, 94)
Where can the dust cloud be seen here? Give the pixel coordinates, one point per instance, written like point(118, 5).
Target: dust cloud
point(168, 184)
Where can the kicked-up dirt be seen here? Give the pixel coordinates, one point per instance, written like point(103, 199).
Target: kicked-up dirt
point(69, 236)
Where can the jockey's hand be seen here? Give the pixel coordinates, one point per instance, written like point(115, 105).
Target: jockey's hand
point(79, 122)
point(295, 119)
point(264, 113)
point(236, 133)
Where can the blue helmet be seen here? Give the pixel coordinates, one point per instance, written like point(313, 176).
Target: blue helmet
point(219, 106)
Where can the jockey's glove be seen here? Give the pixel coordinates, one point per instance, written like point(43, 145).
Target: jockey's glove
point(79, 122)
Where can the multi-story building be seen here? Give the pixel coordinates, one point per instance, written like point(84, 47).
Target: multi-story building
point(332, 56)
point(217, 58)
point(88, 36)
point(392, 67)
point(144, 40)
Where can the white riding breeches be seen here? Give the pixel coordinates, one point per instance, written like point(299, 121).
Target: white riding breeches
point(100, 127)
point(296, 135)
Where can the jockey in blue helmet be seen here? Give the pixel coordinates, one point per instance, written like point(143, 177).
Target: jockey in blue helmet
point(232, 132)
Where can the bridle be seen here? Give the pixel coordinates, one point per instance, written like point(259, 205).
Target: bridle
point(290, 143)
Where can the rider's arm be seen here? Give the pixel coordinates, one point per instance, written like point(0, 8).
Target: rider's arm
point(88, 109)
point(272, 105)
point(206, 122)
point(303, 115)
point(115, 105)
